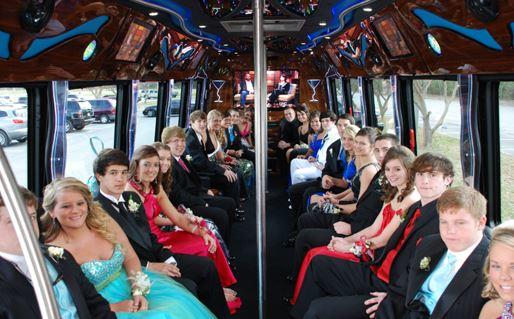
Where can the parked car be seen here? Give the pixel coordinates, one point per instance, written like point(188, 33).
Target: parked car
point(104, 110)
point(22, 100)
point(13, 125)
point(78, 115)
point(150, 111)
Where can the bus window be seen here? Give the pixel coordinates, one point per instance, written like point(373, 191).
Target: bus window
point(13, 130)
point(146, 113)
point(176, 95)
point(356, 100)
point(339, 96)
point(506, 98)
point(196, 90)
point(90, 117)
point(437, 117)
point(384, 105)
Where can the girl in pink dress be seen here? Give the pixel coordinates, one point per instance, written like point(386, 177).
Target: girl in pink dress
point(399, 195)
point(190, 236)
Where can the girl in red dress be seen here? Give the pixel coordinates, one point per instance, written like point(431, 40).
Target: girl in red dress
point(399, 195)
point(190, 236)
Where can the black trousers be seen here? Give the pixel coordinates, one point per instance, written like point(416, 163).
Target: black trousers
point(296, 195)
point(315, 230)
point(202, 271)
point(218, 216)
point(228, 205)
point(229, 189)
point(336, 288)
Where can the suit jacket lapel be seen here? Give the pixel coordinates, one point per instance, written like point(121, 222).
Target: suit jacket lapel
point(125, 224)
point(71, 284)
point(467, 274)
point(428, 213)
point(18, 282)
point(435, 252)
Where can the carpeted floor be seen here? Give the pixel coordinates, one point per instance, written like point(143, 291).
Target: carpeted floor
point(278, 258)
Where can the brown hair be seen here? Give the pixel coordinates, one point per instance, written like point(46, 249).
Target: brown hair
point(96, 218)
point(432, 162)
point(197, 115)
point(167, 177)
point(463, 197)
point(172, 131)
point(141, 153)
point(406, 158)
point(27, 196)
point(502, 234)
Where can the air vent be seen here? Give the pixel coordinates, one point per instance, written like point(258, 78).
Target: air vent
point(246, 26)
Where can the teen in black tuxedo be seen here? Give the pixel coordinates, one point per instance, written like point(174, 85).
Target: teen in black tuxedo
point(334, 286)
point(288, 137)
point(234, 145)
point(221, 178)
point(195, 272)
point(17, 296)
point(444, 279)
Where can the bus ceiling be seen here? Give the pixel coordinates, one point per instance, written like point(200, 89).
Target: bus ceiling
point(158, 40)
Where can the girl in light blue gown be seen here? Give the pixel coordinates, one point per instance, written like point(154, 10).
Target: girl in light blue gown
point(73, 221)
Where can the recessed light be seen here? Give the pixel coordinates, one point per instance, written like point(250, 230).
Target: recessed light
point(327, 37)
point(312, 52)
point(153, 13)
point(367, 9)
point(303, 43)
point(225, 44)
point(202, 26)
point(322, 23)
point(200, 40)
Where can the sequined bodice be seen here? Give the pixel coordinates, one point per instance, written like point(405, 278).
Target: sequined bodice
point(99, 272)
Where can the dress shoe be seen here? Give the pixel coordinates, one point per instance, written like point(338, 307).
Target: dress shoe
point(287, 299)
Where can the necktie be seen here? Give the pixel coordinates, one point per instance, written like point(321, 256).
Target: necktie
point(231, 134)
point(181, 162)
point(121, 209)
point(439, 280)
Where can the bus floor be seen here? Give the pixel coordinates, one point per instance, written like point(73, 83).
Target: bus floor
point(278, 258)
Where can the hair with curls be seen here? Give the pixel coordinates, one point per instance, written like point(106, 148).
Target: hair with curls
point(406, 158)
point(96, 219)
point(141, 153)
point(502, 234)
point(167, 178)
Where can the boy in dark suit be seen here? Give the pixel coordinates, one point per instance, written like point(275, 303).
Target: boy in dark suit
point(220, 177)
point(197, 273)
point(77, 296)
point(444, 279)
point(336, 286)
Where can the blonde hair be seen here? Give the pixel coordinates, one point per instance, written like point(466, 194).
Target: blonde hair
point(220, 134)
point(502, 234)
point(351, 130)
point(96, 218)
point(170, 132)
point(463, 197)
point(214, 114)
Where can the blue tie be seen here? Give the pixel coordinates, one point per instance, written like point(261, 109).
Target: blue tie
point(231, 134)
point(434, 286)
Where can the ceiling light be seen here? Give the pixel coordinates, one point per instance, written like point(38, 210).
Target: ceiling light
point(367, 9)
point(303, 43)
point(312, 52)
point(202, 26)
point(153, 13)
point(225, 44)
point(327, 37)
point(200, 40)
point(322, 23)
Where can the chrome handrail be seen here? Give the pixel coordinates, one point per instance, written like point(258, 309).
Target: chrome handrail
point(28, 241)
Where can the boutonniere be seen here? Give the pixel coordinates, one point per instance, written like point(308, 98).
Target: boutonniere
point(189, 157)
point(133, 206)
point(56, 252)
point(424, 264)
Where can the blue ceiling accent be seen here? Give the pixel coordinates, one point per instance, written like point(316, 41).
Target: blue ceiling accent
point(511, 25)
point(164, 52)
point(40, 45)
point(481, 36)
point(5, 38)
point(342, 14)
point(182, 17)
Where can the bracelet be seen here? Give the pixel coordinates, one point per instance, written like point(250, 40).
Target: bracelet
point(140, 284)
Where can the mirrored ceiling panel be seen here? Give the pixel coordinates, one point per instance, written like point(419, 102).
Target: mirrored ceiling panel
point(300, 7)
point(219, 8)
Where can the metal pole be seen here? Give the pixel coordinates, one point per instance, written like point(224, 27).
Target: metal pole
point(28, 242)
point(259, 58)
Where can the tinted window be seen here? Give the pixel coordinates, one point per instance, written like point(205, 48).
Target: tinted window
point(73, 106)
point(3, 114)
point(506, 101)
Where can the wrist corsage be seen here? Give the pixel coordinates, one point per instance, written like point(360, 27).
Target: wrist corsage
point(362, 249)
point(140, 284)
